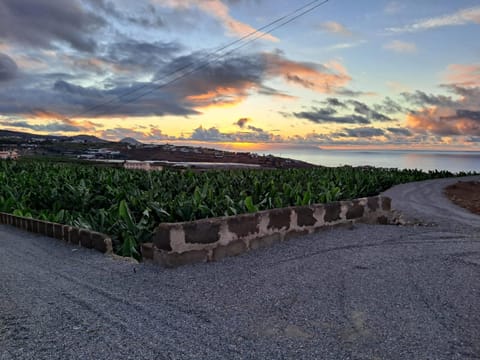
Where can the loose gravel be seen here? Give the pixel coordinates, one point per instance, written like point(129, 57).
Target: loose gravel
point(367, 292)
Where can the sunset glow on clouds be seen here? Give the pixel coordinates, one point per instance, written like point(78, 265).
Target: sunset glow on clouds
point(376, 74)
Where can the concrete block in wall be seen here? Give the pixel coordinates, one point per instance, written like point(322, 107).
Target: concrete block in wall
point(65, 232)
point(161, 237)
point(85, 239)
point(305, 216)
point(50, 229)
point(146, 250)
point(332, 212)
point(33, 226)
point(202, 232)
point(355, 211)
point(74, 236)
point(42, 227)
point(243, 225)
point(58, 231)
point(30, 224)
point(100, 242)
point(279, 219)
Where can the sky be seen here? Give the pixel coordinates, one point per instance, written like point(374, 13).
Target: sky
point(349, 74)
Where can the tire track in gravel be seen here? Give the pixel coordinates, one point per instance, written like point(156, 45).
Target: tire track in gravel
point(94, 302)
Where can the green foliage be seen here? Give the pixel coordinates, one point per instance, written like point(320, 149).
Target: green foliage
point(129, 204)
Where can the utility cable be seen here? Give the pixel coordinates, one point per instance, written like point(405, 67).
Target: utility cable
point(256, 34)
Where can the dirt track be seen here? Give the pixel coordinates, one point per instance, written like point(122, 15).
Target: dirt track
point(383, 292)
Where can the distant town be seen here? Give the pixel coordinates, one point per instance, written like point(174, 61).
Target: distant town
point(133, 154)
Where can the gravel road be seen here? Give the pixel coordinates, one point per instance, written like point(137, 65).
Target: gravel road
point(371, 292)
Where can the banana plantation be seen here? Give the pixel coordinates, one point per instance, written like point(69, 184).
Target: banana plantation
point(128, 204)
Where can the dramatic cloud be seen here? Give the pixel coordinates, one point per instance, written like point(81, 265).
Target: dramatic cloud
point(242, 122)
point(326, 78)
point(389, 106)
point(215, 135)
point(469, 95)
point(445, 115)
point(52, 127)
point(230, 81)
point(58, 126)
point(141, 56)
point(43, 23)
point(445, 122)
point(322, 116)
point(218, 10)
point(420, 98)
point(401, 47)
point(400, 131)
point(361, 132)
point(335, 103)
point(363, 109)
point(360, 113)
point(8, 68)
point(461, 17)
point(225, 82)
point(335, 28)
point(221, 83)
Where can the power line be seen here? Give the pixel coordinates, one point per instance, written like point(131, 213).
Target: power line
point(210, 58)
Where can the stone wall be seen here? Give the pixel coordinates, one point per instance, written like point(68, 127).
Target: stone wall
point(175, 244)
point(72, 235)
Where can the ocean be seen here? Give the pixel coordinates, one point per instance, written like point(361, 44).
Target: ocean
point(454, 161)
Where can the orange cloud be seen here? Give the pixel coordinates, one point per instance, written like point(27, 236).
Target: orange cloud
point(45, 115)
point(222, 96)
point(320, 78)
point(445, 121)
point(463, 74)
point(230, 83)
point(219, 10)
point(50, 117)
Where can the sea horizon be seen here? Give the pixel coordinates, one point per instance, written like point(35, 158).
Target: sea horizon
point(427, 160)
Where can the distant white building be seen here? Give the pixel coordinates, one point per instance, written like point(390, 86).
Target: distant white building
point(141, 165)
point(137, 165)
point(12, 154)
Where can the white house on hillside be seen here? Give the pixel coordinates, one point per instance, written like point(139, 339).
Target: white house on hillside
point(12, 154)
